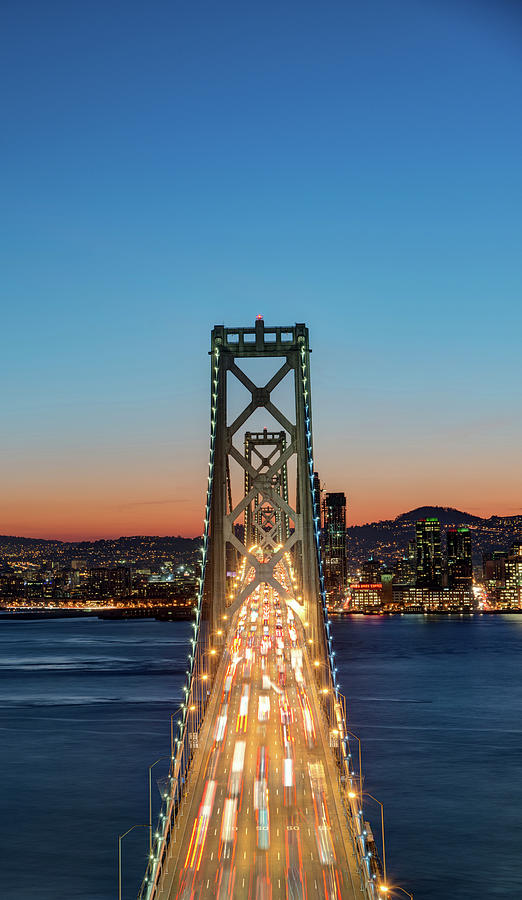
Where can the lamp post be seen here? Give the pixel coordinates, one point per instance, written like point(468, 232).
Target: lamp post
point(397, 888)
point(175, 713)
point(382, 832)
point(150, 798)
point(120, 838)
point(327, 691)
point(360, 760)
point(383, 889)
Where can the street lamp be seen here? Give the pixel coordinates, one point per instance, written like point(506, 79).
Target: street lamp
point(384, 889)
point(360, 760)
point(382, 832)
point(175, 713)
point(120, 838)
point(150, 798)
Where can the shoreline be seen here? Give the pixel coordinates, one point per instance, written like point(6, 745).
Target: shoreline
point(160, 614)
point(173, 615)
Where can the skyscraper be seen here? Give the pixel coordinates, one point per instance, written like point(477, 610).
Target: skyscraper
point(110, 582)
point(428, 562)
point(334, 541)
point(460, 567)
point(512, 592)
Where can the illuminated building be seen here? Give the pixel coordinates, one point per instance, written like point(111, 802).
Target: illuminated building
point(334, 541)
point(404, 570)
point(110, 582)
point(460, 568)
point(511, 593)
point(428, 599)
point(428, 562)
point(365, 596)
point(387, 587)
point(370, 571)
point(494, 571)
point(502, 576)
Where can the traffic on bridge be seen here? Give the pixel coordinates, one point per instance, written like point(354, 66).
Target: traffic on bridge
point(264, 800)
point(263, 821)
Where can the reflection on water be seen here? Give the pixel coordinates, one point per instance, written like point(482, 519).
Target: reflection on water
point(85, 705)
point(437, 703)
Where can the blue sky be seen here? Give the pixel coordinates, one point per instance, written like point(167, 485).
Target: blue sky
point(168, 166)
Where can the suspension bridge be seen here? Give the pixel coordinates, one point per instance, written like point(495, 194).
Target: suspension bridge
point(265, 796)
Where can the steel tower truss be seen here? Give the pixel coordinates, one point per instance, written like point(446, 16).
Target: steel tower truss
point(266, 525)
point(267, 484)
point(215, 604)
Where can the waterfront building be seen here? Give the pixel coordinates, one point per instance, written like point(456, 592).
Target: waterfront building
point(110, 582)
point(334, 541)
point(370, 571)
point(404, 572)
point(387, 587)
point(494, 570)
point(428, 599)
point(511, 593)
point(460, 567)
point(428, 562)
point(502, 576)
point(365, 597)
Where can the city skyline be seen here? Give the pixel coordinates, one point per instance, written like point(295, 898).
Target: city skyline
point(356, 171)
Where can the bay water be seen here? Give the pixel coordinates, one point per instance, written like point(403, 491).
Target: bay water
point(85, 709)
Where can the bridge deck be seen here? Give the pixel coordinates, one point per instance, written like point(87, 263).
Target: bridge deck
point(263, 815)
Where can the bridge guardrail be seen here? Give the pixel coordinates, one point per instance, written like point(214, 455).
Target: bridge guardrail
point(196, 694)
point(196, 701)
point(367, 859)
point(333, 707)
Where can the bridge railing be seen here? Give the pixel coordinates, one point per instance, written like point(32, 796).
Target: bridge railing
point(180, 775)
point(333, 702)
point(197, 694)
point(350, 782)
point(201, 667)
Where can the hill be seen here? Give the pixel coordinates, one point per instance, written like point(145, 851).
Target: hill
point(387, 540)
point(446, 515)
point(144, 549)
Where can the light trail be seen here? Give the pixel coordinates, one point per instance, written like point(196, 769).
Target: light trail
point(263, 830)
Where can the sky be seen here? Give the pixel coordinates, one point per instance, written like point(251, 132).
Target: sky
point(168, 166)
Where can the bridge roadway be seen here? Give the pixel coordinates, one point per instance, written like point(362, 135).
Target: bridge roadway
point(263, 817)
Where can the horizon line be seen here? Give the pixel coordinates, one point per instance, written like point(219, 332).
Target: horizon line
point(114, 537)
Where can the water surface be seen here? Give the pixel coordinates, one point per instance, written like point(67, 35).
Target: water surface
point(85, 706)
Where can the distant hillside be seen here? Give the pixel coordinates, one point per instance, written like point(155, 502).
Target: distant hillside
point(445, 514)
point(388, 540)
point(139, 549)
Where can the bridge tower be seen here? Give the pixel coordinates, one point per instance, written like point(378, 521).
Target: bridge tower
point(279, 506)
point(267, 482)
